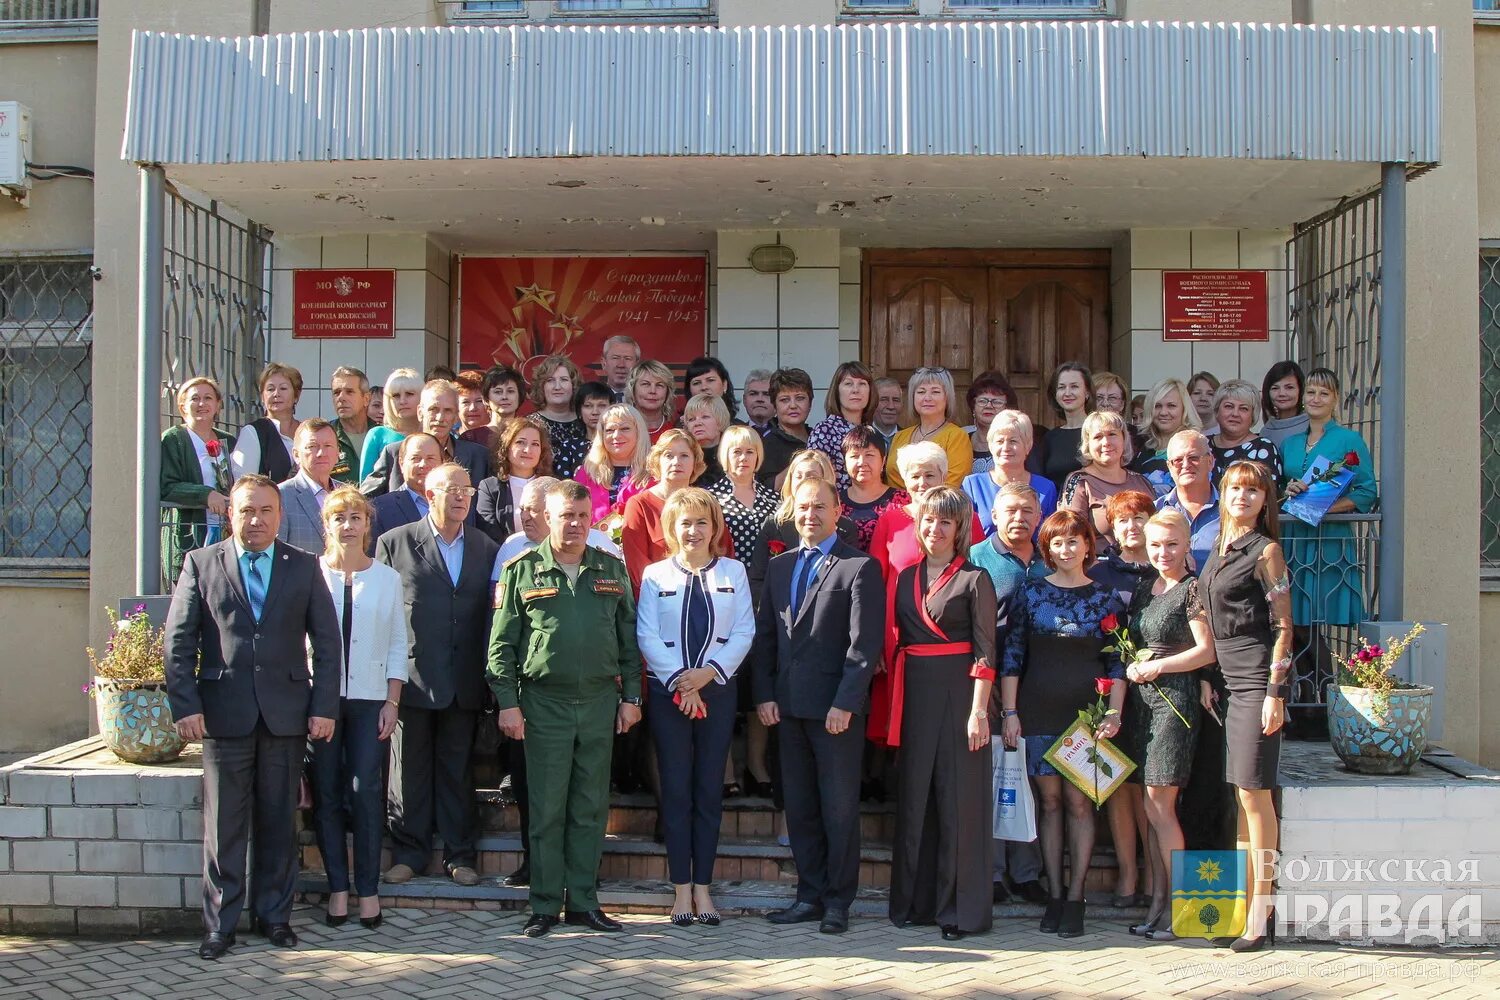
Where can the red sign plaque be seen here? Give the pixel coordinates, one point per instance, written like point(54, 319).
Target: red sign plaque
point(1215, 306)
point(333, 303)
point(517, 310)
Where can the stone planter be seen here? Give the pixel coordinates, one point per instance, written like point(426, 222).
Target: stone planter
point(135, 720)
point(1374, 742)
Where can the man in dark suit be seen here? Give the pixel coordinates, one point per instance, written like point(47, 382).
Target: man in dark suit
point(438, 413)
point(420, 453)
point(316, 450)
point(818, 637)
point(448, 572)
point(238, 679)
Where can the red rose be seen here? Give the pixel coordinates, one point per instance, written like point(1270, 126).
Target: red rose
point(213, 447)
point(777, 546)
point(1351, 460)
point(1110, 622)
point(1103, 685)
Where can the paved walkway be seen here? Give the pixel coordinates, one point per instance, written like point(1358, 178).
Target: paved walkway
point(464, 954)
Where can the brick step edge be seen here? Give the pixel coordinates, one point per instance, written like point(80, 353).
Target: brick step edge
point(645, 895)
point(644, 800)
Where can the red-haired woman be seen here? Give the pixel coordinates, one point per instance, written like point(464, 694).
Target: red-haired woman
point(1052, 665)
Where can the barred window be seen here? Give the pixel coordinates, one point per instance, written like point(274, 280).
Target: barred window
point(46, 416)
point(1489, 408)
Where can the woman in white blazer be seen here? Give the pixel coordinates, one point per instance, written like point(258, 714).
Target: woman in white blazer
point(368, 598)
point(694, 625)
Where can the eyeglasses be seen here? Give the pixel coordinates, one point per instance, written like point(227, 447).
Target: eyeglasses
point(989, 400)
point(1182, 460)
point(459, 491)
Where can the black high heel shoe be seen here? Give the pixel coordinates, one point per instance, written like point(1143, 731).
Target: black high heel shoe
point(1243, 945)
point(1051, 917)
point(372, 923)
point(335, 920)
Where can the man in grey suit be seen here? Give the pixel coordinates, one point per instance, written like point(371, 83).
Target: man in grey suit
point(315, 448)
point(448, 572)
point(818, 635)
point(242, 616)
point(438, 412)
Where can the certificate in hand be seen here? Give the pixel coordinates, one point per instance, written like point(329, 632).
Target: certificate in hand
point(1326, 482)
point(1096, 768)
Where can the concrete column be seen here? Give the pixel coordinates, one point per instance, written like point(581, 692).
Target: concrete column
point(780, 320)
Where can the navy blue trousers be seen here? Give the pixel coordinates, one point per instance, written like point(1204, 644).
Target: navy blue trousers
point(690, 756)
point(348, 769)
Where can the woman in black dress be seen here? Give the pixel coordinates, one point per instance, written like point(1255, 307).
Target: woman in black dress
point(1167, 618)
point(945, 615)
point(1247, 594)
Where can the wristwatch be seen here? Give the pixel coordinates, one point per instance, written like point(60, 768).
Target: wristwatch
point(631, 701)
point(1006, 713)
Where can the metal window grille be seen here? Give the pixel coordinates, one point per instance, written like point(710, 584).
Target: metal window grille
point(216, 305)
point(47, 13)
point(1489, 410)
point(1333, 313)
point(46, 417)
point(633, 7)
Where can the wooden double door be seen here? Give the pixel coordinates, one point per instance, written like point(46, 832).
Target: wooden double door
point(1022, 312)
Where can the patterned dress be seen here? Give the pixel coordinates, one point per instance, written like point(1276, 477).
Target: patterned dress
point(744, 523)
point(866, 515)
point(828, 437)
point(570, 443)
point(1155, 738)
point(1055, 644)
point(1256, 449)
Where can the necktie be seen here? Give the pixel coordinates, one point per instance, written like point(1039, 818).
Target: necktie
point(255, 584)
point(804, 577)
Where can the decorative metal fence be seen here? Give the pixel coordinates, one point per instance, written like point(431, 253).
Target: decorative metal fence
point(216, 308)
point(1333, 310)
point(46, 417)
point(46, 13)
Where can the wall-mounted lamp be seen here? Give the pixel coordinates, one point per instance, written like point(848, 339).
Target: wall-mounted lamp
point(773, 258)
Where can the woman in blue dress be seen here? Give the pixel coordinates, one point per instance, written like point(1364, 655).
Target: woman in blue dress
point(1327, 580)
point(1053, 657)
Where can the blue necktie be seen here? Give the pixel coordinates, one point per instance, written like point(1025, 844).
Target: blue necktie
point(255, 584)
point(804, 577)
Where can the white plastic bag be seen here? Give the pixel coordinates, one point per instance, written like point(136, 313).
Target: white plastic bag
point(1015, 807)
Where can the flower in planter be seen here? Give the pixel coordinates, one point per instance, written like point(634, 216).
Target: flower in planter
point(1370, 667)
point(134, 651)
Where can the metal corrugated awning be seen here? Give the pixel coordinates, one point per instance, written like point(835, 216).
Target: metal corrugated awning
point(985, 88)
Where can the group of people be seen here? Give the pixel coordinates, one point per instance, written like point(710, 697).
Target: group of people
point(887, 592)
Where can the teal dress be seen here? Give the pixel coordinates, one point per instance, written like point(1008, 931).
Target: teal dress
point(1327, 578)
point(375, 442)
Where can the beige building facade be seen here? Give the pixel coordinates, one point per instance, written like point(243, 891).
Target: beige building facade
point(994, 214)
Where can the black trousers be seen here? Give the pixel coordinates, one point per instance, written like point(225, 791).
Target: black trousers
point(432, 786)
point(820, 774)
point(513, 760)
point(250, 791)
point(348, 771)
point(690, 754)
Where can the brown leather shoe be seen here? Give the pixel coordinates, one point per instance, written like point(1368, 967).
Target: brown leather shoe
point(464, 875)
point(397, 874)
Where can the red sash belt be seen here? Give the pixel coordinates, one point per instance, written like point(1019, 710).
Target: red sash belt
point(898, 677)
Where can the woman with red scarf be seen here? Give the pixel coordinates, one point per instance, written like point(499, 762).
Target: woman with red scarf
point(940, 683)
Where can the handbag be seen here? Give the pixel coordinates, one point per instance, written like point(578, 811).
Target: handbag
point(1015, 806)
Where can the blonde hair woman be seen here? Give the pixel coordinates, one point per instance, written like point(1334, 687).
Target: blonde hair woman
point(369, 600)
point(778, 533)
point(1010, 439)
point(674, 462)
point(745, 500)
point(932, 407)
point(400, 398)
point(694, 625)
point(614, 470)
point(1169, 409)
point(1105, 451)
point(706, 418)
point(652, 389)
point(195, 475)
point(265, 444)
point(1237, 414)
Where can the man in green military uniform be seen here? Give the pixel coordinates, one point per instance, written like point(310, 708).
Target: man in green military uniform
point(567, 677)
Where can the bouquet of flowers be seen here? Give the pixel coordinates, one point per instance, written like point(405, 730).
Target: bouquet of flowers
point(1370, 667)
point(134, 652)
point(1130, 654)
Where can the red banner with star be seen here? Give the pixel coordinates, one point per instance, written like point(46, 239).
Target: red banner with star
point(517, 310)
